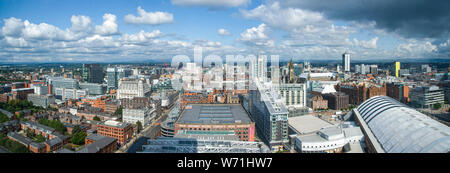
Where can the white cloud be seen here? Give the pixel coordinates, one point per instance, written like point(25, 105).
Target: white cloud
point(12, 27)
point(98, 41)
point(44, 31)
point(16, 42)
point(223, 32)
point(141, 37)
point(285, 18)
point(80, 23)
point(415, 49)
point(257, 36)
point(211, 3)
point(370, 44)
point(150, 18)
point(109, 26)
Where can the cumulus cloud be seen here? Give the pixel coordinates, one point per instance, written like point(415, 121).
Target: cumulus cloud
point(257, 36)
point(285, 18)
point(141, 37)
point(13, 27)
point(369, 44)
point(213, 3)
point(150, 18)
point(415, 49)
point(223, 32)
point(80, 23)
point(109, 26)
point(44, 31)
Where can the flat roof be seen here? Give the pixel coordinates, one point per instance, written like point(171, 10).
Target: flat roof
point(307, 124)
point(214, 114)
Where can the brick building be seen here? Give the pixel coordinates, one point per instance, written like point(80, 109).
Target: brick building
point(95, 143)
point(21, 93)
point(398, 91)
point(216, 119)
point(121, 131)
point(337, 101)
point(196, 98)
point(135, 102)
point(317, 102)
point(359, 93)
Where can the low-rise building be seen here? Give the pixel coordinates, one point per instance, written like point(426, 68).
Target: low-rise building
point(317, 102)
point(216, 118)
point(122, 131)
point(141, 114)
point(426, 96)
point(330, 140)
point(337, 101)
point(41, 100)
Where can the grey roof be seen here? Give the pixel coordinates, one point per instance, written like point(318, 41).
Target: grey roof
point(64, 150)
point(54, 141)
point(307, 124)
point(3, 150)
point(7, 113)
point(21, 139)
point(38, 126)
point(214, 114)
point(101, 142)
point(95, 137)
point(37, 145)
point(401, 129)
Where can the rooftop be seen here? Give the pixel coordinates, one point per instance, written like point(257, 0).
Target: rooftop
point(115, 124)
point(100, 142)
point(214, 114)
point(307, 124)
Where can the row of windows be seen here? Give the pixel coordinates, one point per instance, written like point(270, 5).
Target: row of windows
point(327, 146)
point(214, 129)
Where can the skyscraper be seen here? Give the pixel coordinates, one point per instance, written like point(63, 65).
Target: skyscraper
point(397, 68)
point(262, 67)
point(92, 73)
point(114, 74)
point(346, 61)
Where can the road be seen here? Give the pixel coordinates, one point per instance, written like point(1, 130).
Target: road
point(149, 132)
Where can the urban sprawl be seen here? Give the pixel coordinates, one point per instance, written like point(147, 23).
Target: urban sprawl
point(251, 107)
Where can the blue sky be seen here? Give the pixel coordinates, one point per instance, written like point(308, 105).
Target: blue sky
point(42, 30)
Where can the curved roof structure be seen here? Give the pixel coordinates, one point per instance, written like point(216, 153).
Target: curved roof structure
point(401, 129)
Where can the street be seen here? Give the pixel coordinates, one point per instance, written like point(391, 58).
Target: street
point(141, 139)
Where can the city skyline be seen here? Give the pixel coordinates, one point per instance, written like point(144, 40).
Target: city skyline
point(138, 31)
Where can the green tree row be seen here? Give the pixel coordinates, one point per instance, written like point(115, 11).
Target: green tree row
point(78, 136)
point(56, 124)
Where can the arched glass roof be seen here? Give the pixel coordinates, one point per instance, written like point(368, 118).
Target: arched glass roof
point(401, 129)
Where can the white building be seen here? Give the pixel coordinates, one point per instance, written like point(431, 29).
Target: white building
point(331, 140)
point(133, 115)
point(346, 62)
point(65, 94)
point(130, 88)
point(40, 90)
point(293, 95)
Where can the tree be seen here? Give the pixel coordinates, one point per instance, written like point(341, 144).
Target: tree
point(437, 106)
point(139, 124)
point(78, 138)
point(40, 138)
point(3, 118)
point(118, 111)
point(96, 118)
point(76, 129)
